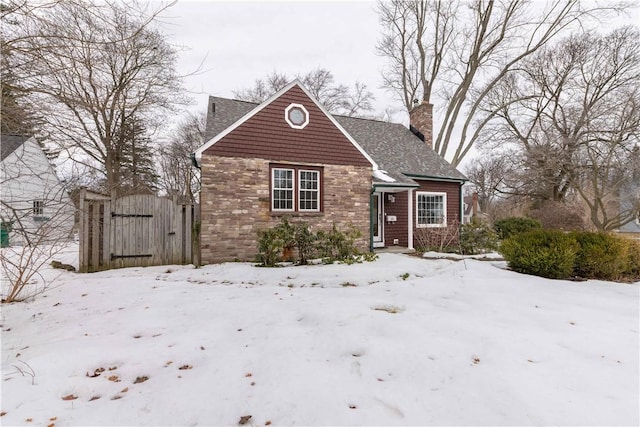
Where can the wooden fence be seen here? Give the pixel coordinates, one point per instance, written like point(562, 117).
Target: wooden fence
point(133, 231)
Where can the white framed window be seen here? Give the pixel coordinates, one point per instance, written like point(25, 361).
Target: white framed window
point(282, 185)
point(308, 190)
point(431, 209)
point(296, 116)
point(296, 188)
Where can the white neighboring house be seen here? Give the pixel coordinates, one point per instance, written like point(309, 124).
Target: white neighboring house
point(35, 206)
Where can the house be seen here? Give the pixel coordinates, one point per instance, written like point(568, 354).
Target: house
point(630, 205)
point(289, 157)
point(35, 206)
point(470, 207)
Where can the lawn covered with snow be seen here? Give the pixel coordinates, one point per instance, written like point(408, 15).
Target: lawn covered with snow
point(399, 341)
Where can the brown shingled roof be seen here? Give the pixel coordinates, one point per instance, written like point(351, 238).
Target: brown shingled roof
point(9, 144)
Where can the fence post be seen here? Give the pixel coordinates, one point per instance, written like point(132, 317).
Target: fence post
point(82, 231)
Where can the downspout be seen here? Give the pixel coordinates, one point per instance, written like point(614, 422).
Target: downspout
point(461, 205)
point(410, 220)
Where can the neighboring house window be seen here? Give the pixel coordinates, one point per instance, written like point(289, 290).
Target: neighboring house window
point(431, 209)
point(38, 211)
point(38, 207)
point(296, 189)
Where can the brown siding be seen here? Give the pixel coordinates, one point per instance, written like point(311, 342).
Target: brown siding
point(267, 135)
point(400, 207)
point(398, 230)
point(453, 197)
point(235, 198)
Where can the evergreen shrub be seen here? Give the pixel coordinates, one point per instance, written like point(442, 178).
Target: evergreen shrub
point(510, 226)
point(601, 256)
point(477, 237)
point(545, 253)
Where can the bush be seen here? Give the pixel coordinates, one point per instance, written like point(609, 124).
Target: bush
point(270, 245)
point(278, 243)
point(545, 253)
point(304, 241)
point(559, 216)
point(601, 256)
point(510, 226)
point(632, 268)
point(335, 245)
point(477, 238)
point(438, 239)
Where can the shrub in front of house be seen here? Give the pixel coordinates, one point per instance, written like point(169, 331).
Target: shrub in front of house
point(438, 239)
point(515, 225)
point(545, 253)
point(270, 246)
point(304, 240)
point(279, 243)
point(477, 237)
point(601, 256)
point(335, 245)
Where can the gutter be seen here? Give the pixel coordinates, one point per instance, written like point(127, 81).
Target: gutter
point(394, 185)
point(436, 178)
point(461, 205)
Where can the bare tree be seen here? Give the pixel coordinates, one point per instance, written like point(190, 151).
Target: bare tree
point(178, 176)
point(336, 98)
point(92, 67)
point(488, 176)
point(459, 51)
point(572, 112)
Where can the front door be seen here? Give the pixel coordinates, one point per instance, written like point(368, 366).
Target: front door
point(378, 235)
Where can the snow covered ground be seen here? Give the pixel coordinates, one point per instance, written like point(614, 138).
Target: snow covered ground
point(400, 341)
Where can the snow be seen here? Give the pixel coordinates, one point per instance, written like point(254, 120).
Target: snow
point(490, 256)
point(382, 176)
point(399, 341)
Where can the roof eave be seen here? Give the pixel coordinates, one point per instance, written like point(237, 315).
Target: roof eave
point(436, 178)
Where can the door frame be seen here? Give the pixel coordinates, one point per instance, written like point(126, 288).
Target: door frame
point(378, 242)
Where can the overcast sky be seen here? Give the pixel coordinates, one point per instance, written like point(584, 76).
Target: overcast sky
point(236, 42)
point(242, 41)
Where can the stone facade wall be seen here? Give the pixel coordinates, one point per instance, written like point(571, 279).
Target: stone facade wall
point(235, 204)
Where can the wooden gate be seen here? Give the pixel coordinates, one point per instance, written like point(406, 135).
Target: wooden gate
point(133, 231)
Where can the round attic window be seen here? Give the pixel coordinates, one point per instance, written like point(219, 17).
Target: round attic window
point(296, 116)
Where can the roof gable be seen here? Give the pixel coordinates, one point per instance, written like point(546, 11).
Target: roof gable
point(393, 148)
point(263, 132)
point(10, 143)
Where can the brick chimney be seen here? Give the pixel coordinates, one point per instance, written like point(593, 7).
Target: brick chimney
point(421, 121)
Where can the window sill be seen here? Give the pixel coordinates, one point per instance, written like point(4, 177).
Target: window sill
point(295, 214)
